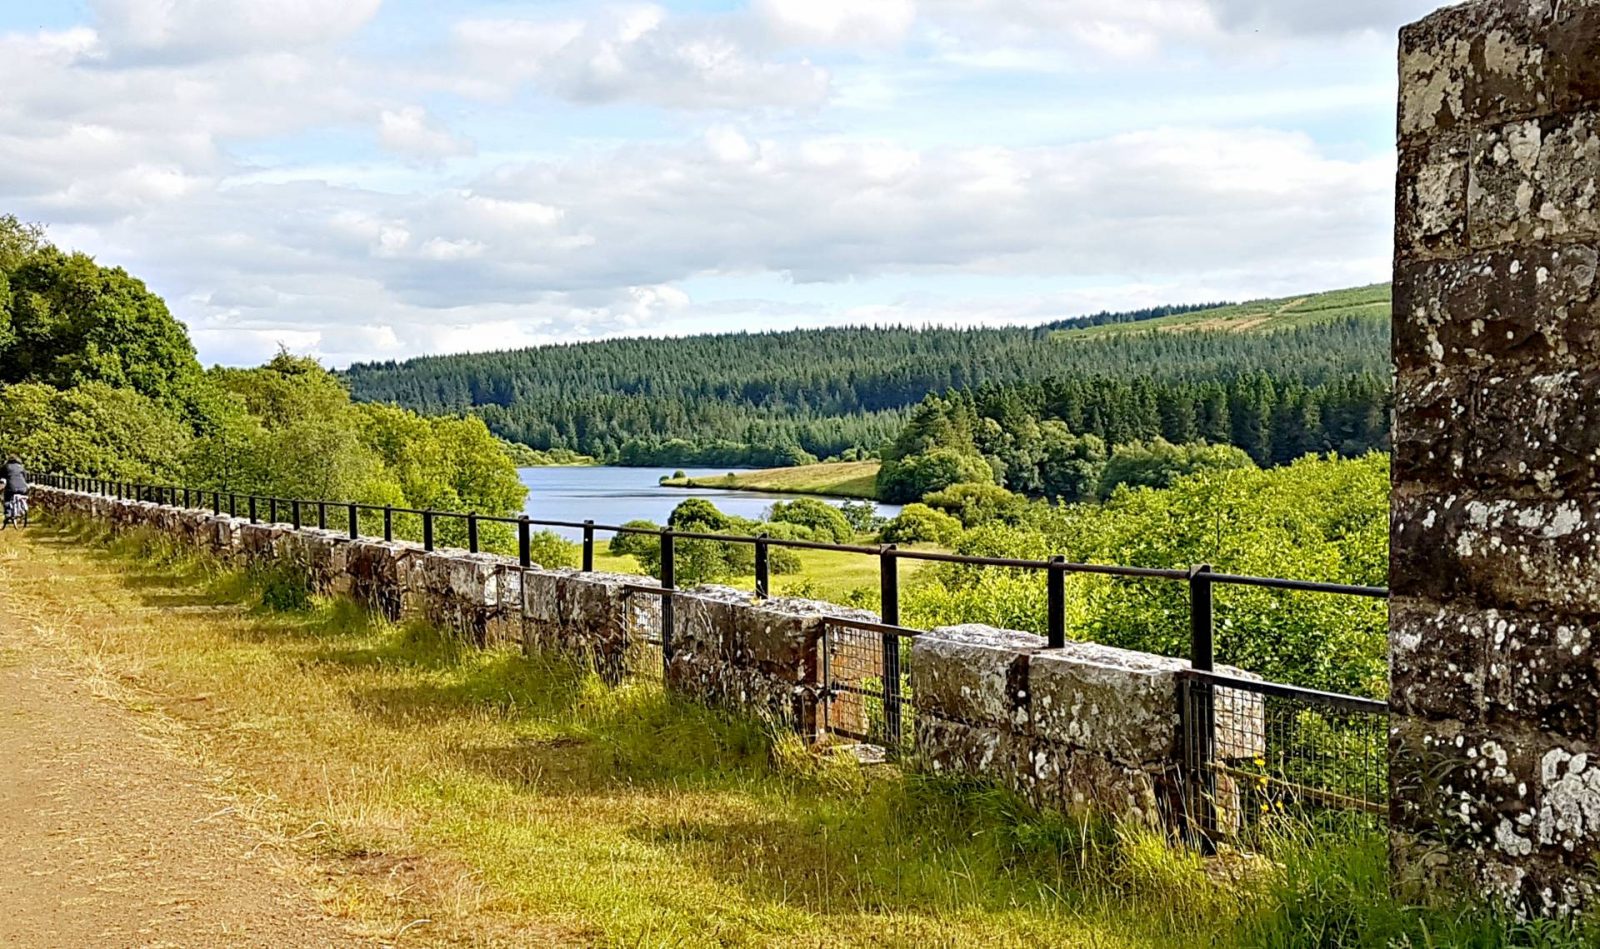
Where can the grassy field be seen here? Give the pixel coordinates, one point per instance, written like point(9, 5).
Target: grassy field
point(845, 479)
point(469, 797)
point(1259, 316)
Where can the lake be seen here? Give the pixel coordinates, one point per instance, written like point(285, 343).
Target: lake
point(611, 495)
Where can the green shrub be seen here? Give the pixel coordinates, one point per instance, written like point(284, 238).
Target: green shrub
point(919, 523)
point(978, 504)
point(826, 522)
point(549, 549)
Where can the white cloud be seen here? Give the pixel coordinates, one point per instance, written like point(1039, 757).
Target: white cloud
point(1308, 17)
point(837, 22)
point(246, 182)
point(192, 30)
point(410, 131)
point(637, 54)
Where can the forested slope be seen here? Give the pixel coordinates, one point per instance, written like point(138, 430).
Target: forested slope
point(785, 397)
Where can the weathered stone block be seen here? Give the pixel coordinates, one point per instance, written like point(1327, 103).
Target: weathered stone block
point(1112, 702)
point(1496, 428)
point(1434, 70)
point(381, 574)
point(1535, 179)
point(584, 615)
point(1464, 784)
point(730, 649)
point(1437, 660)
point(974, 674)
point(1488, 61)
point(1072, 782)
point(1532, 308)
point(1541, 672)
point(958, 748)
point(1523, 553)
point(1430, 208)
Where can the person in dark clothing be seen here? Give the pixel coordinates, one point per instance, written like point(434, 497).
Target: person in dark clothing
point(14, 478)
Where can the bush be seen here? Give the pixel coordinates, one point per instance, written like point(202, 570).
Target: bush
point(638, 546)
point(914, 476)
point(1159, 463)
point(549, 549)
point(863, 516)
point(283, 587)
point(978, 504)
point(919, 523)
point(825, 521)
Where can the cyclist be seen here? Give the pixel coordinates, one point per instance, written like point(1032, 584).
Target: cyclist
point(14, 479)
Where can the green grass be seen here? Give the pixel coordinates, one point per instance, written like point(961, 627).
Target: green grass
point(1259, 316)
point(845, 479)
point(516, 800)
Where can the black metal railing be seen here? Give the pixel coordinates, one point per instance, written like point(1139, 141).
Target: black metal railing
point(1257, 752)
point(876, 694)
point(866, 684)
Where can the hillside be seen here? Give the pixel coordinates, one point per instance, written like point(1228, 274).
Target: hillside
point(1258, 316)
point(781, 398)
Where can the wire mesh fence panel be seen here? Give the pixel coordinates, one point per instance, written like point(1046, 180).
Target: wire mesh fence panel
point(867, 686)
point(1260, 752)
point(643, 614)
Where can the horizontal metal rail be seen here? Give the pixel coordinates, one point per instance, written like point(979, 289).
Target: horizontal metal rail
point(1347, 703)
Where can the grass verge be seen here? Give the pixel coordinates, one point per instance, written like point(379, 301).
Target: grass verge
point(519, 801)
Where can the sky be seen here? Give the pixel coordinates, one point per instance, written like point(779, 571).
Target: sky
point(380, 179)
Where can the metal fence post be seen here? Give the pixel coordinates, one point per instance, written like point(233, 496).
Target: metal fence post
point(216, 503)
point(186, 498)
point(1056, 594)
point(668, 584)
point(322, 515)
point(252, 509)
point(272, 510)
point(294, 514)
point(388, 523)
point(588, 546)
point(524, 542)
point(427, 530)
point(1200, 718)
point(889, 589)
point(763, 568)
point(355, 522)
point(472, 532)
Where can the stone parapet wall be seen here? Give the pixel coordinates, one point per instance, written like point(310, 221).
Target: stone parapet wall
point(1080, 727)
point(731, 650)
point(1496, 511)
point(1083, 726)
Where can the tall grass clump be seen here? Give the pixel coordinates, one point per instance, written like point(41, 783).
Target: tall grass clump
point(1333, 887)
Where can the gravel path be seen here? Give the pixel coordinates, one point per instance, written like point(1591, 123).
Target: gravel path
point(109, 838)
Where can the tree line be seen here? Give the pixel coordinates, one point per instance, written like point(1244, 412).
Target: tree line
point(97, 378)
point(776, 398)
point(1060, 438)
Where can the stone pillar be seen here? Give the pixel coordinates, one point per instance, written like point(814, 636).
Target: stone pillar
point(1496, 507)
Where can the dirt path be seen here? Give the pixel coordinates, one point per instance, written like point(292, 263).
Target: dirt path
point(109, 838)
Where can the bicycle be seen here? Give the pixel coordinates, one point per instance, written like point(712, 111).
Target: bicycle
point(16, 513)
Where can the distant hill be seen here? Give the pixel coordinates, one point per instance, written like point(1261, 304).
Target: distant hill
point(777, 398)
point(1372, 302)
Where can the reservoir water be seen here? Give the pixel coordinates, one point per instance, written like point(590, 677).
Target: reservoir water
point(610, 495)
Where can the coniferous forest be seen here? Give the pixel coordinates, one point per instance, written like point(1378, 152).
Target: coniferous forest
point(1276, 378)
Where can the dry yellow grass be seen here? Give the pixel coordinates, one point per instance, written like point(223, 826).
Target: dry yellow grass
point(514, 801)
point(845, 479)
